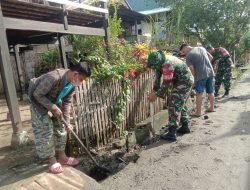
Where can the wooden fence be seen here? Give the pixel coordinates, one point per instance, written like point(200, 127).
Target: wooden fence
point(94, 108)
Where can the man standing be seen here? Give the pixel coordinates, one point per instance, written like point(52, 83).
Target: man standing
point(53, 92)
point(197, 58)
point(224, 64)
point(176, 76)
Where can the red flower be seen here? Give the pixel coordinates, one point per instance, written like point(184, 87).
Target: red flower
point(122, 40)
point(126, 75)
point(132, 72)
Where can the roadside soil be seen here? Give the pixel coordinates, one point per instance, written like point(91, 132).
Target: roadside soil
point(214, 156)
point(10, 157)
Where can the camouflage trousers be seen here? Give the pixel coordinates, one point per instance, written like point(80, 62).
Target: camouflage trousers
point(50, 135)
point(223, 75)
point(177, 109)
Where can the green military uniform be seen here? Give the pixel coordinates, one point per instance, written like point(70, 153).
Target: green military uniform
point(224, 69)
point(179, 78)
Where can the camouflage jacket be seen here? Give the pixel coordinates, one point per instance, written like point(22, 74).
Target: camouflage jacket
point(221, 55)
point(44, 90)
point(171, 75)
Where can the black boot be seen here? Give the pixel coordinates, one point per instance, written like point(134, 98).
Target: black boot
point(184, 129)
point(170, 135)
point(226, 94)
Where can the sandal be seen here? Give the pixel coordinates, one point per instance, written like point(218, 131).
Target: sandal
point(70, 162)
point(56, 168)
point(209, 111)
point(194, 115)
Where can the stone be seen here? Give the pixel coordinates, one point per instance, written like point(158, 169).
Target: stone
point(131, 138)
point(115, 151)
point(20, 139)
point(119, 143)
point(142, 132)
point(205, 117)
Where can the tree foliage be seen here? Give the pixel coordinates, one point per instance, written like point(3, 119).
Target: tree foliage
point(221, 23)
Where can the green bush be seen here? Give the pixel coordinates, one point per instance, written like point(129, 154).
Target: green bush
point(48, 61)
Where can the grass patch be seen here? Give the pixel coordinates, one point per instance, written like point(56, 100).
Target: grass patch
point(237, 75)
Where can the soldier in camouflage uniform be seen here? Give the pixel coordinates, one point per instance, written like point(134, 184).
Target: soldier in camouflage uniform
point(224, 64)
point(53, 93)
point(172, 73)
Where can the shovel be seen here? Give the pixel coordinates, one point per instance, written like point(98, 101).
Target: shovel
point(152, 114)
point(98, 171)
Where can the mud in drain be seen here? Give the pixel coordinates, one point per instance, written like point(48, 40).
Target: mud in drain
point(110, 163)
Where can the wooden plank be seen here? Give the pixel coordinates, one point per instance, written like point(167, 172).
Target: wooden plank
point(89, 125)
point(31, 17)
point(74, 5)
point(140, 100)
point(65, 18)
point(28, 6)
point(103, 117)
point(19, 71)
point(62, 52)
point(45, 14)
point(78, 108)
point(113, 103)
point(29, 11)
point(84, 114)
point(100, 118)
point(95, 113)
point(22, 24)
point(93, 116)
point(109, 109)
point(81, 132)
point(132, 107)
point(149, 89)
point(127, 123)
point(145, 96)
point(108, 113)
point(106, 30)
point(137, 102)
point(75, 118)
point(104, 111)
point(83, 125)
point(8, 79)
point(88, 114)
point(144, 91)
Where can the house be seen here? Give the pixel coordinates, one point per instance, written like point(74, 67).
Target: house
point(30, 22)
point(153, 28)
point(130, 21)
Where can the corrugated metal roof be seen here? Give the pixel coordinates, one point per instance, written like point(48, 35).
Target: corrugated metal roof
point(146, 7)
point(155, 11)
point(142, 5)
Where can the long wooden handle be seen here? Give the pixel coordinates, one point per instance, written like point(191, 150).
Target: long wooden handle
point(152, 113)
point(79, 140)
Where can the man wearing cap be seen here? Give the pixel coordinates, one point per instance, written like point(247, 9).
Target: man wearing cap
point(53, 92)
point(224, 64)
point(175, 75)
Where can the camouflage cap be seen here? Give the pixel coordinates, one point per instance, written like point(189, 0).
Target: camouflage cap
point(156, 59)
